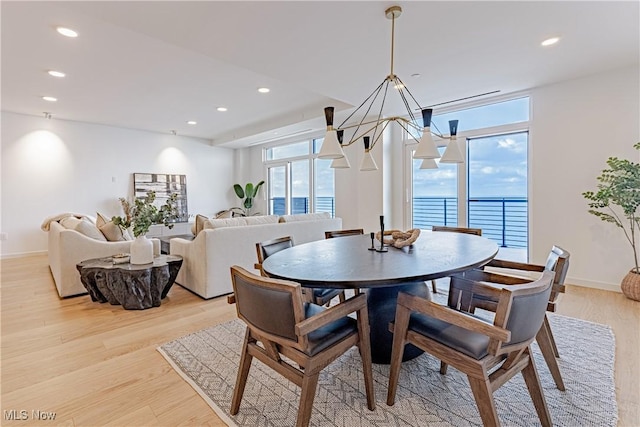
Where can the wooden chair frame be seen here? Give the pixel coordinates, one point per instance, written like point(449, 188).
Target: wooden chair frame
point(466, 230)
point(276, 346)
point(342, 233)
point(545, 338)
point(512, 358)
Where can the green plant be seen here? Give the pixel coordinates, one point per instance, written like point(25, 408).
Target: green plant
point(248, 194)
point(618, 198)
point(142, 214)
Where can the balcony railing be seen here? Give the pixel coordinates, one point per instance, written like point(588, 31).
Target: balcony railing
point(502, 219)
point(300, 205)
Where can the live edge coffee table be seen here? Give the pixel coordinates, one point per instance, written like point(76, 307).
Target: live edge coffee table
point(134, 286)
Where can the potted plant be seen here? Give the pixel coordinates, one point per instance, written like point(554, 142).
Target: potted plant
point(247, 194)
point(139, 216)
point(616, 201)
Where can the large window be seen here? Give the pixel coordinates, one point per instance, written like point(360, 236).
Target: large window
point(488, 191)
point(299, 182)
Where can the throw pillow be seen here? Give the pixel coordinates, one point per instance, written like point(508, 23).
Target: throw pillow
point(90, 230)
point(112, 232)
point(227, 222)
point(199, 224)
point(224, 214)
point(305, 217)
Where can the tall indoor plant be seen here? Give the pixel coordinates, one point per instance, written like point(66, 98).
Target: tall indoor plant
point(139, 216)
point(249, 192)
point(616, 201)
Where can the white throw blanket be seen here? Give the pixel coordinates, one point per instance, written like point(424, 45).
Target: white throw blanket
point(47, 222)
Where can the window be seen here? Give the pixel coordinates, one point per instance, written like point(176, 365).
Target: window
point(488, 191)
point(298, 182)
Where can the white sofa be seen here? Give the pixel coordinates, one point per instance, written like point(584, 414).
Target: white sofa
point(68, 247)
point(209, 256)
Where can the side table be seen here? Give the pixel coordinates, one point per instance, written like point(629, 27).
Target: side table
point(134, 286)
point(165, 241)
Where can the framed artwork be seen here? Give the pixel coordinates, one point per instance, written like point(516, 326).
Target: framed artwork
point(164, 185)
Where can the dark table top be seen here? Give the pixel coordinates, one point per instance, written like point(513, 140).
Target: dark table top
point(346, 262)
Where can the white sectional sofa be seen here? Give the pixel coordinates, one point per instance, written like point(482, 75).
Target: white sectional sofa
point(67, 247)
point(208, 257)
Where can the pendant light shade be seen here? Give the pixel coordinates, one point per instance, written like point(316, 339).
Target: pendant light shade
point(331, 148)
point(368, 164)
point(427, 148)
point(342, 162)
point(452, 153)
point(429, 164)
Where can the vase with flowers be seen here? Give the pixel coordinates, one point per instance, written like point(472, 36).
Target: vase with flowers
point(139, 216)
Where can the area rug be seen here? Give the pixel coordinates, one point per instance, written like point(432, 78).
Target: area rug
point(208, 360)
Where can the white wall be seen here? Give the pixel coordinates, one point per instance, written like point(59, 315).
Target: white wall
point(55, 166)
point(577, 125)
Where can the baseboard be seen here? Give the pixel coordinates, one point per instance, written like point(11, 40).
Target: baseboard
point(22, 254)
point(595, 285)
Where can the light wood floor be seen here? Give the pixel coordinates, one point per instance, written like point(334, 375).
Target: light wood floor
point(96, 364)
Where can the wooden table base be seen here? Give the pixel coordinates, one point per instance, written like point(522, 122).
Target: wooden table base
point(135, 287)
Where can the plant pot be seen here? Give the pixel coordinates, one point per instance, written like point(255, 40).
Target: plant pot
point(631, 285)
point(141, 250)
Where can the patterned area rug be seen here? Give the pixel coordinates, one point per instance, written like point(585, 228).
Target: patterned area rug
point(208, 360)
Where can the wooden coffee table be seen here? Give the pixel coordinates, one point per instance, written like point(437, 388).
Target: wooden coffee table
point(134, 286)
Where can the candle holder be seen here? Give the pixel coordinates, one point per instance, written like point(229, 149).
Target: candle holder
point(373, 236)
point(382, 248)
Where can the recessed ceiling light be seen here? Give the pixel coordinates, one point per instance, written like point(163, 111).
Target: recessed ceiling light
point(415, 75)
point(192, 122)
point(67, 32)
point(550, 41)
point(264, 90)
point(49, 98)
point(56, 73)
point(222, 109)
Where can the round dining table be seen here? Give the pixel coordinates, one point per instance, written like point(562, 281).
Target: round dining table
point(349, 263)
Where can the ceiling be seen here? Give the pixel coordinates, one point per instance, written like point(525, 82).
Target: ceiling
point(154, 65)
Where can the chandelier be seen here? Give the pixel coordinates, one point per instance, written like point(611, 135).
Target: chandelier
point(370, 129)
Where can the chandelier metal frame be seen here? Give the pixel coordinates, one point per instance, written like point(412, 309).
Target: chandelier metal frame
point(373, 129)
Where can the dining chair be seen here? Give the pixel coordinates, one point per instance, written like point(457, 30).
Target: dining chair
point(474, 231)
point(489, 353)
point(343, 233)
point(320, 296)
point(307, 334)
point(501, 272)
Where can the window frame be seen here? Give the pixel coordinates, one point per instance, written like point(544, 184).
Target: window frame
point(462, 139)
point(286, 162)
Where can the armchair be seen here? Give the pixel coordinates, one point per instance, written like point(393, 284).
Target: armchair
point(489, 354)
point(475, 231)
point(309, 335)
point(320, 296)
point(557, 262)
